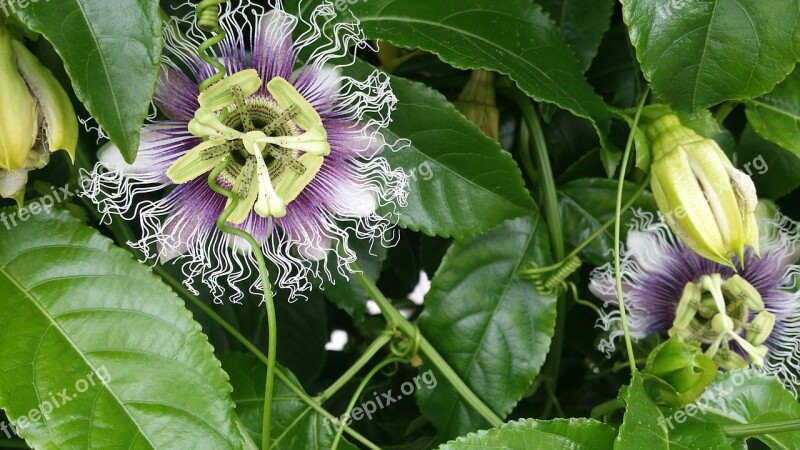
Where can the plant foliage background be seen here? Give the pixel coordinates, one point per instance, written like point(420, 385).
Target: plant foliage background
point(184, 372)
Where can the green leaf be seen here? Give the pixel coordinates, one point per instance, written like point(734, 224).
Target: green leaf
point(112, 51)
point(644, 425)
point(74, 305)
point(772, 169)
point(574, 434)
point(349, 295)
point(294, 423)
point(776, 116)
point(302, 335)
point(460, 181)
point(516, 39)
point(492, 327)
point(615, 72)
point(582, 23)
point(588, 203)
point(697, 54)
point(750, 397)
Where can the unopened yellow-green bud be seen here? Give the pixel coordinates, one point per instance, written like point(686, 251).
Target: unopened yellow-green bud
point(36, 116)
point(18, 124)
point(478, 104)
point(707, 202)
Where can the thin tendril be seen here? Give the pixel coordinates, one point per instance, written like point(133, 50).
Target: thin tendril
point(208, 21)
point(617, 227)
point(207, 13)
point(357, 395)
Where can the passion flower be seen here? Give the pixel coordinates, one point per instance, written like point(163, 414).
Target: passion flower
point(297, 145)
point(748, 315)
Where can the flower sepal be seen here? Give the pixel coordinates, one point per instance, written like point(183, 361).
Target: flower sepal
point(678, 373)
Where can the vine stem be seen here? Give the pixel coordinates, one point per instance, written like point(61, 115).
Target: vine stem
point(362, 361)
point(756, 429)
point(395, 319)
point(357, 395)
point(284, 378)
point(724, 111)
point(617, 233)
point(552, 216)
point(269, 301)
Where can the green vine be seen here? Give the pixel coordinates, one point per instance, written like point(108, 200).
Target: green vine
point(207, 14)
point(617, 232)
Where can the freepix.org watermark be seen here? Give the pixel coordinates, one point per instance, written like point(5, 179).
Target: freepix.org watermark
point(36, 207)
point(10, 7)
point(370, 407)
point(56, 400)
point(343, 5)
point(714, 399)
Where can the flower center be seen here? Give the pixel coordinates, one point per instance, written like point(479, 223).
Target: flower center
point(274, 147)
point(717, 312)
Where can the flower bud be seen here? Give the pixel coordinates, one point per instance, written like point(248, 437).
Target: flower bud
point(18, 124)
point(36, 117)
point(477, 102)
point(679, 372)
point(708, 204)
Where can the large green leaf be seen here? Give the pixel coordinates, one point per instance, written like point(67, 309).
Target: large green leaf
point(773, 169)
point(460, 181)
point(699, 53)
point(574, 434)
point(73, 305)
point(514, 38)
point(294, 424)
point(776, 116)
point(491, 326)
point(750, 397)
point(111, 50)
point(582, 23)
point(646, 426)
point(588, 203)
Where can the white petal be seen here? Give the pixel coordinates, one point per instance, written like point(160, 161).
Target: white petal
point(355, 200)
point(12, 182)
point(646, 249)
point(321, 90)
point(157, 151)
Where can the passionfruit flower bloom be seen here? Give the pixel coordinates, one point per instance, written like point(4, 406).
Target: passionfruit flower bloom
point(749, 316)
point(707, 202)
point(36, 116)
point(304, 159)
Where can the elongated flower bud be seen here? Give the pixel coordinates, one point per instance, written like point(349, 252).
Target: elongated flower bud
point(18, 124)
point(36, 116)
point(707, 202)
point(477, 102)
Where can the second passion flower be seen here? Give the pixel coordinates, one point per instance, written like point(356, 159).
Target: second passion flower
point(749, 316)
